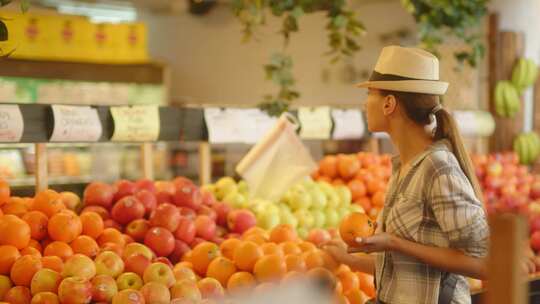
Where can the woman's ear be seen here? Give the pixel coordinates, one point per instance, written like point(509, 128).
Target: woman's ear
point(389, 104)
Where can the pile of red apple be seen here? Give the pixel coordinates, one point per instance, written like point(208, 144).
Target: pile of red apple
point(510, 187)
point(169, 217)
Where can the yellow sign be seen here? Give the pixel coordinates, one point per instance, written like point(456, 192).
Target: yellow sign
point(137, 123)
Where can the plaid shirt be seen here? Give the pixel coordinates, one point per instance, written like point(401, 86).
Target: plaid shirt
point(434, 204)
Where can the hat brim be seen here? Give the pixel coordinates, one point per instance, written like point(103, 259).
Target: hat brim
point(411, 86)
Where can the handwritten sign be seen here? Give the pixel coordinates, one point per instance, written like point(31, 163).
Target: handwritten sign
point(237, 125)
point(348, 124)
point(75, 124)
point(316, 122)
point(137, 123)
point(11, 123)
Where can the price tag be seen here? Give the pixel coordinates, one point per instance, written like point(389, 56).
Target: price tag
point(137, 123)
point(237, 125)
point(348, 124)
point(75, 124)
point(11, 123)
point(316, 122)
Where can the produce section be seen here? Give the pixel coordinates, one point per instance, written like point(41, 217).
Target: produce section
point(139, 165)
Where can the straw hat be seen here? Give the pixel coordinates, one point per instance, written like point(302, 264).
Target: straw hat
point(406, 69)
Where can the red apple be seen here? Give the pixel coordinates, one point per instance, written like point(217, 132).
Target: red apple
point(137, 229)
point(180, 248)
point(206, 210)
point(534, 209)
point(535, 241)
point(164, 197)
point(75, 290)
point(154, 292)
point(188, 195)
point(241, 220)
point(181, 180)
point(334, 233)
point(103, 288)
point(165, 261)
point(100, 194)
point(196, 241)
point(494, 169)
point(148, 199)
point(535, 190)
point(160, 240)
point(319, 236)
point(165, 186)
point(166, 216)
point(124, 188)
point(210, 288)
point(534, 224)
point(128, 209)
point(222, 210)
point(187, 212)
point(508, 190)
point(128, 296)
point(207, 198)
point(205, 226)
point(137, 263)
point(99, 210)
point(186, 230)
point(493, 182)
point(145, 184)
point(522, 170)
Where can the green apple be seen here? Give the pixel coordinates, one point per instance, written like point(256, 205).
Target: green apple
point(342, 212)
point(305, 218)
point(345, 196)
point(332, 217)
point(309, 183)
point(268, 219)
point(225, 186)
point(45, 280)
point(287, 217)
point(331, 196)
point(318, 198)
point(302, 232)
point(319, 218)
point(300, 199)
point(129, 280)
point(232, 198)
point(356, 208)
point(209, 188)
point(243, 187)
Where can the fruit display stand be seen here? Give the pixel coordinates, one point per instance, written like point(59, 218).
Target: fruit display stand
point(38, 123)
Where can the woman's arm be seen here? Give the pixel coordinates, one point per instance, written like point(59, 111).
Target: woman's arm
point(447, 259)
point(338, 250)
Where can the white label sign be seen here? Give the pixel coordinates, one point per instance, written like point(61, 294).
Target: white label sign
point(316, 122)
point(11, 123)
point(75, 124)
point(137, 123)
point(348, 124)
point(237, 125)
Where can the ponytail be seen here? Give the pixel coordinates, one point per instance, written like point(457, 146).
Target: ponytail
point(419, 107)
point(447, 129)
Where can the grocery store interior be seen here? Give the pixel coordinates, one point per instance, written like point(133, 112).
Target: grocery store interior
point(221, 151)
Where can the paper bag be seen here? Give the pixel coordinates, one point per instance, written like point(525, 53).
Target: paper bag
point(277, 162)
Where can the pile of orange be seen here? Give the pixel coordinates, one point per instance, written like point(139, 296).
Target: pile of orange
point(260, 259)
point(365, 174)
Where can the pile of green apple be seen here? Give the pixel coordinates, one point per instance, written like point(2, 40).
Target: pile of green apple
point(305, 206)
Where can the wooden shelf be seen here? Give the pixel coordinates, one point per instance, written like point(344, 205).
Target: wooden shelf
point(534, 290)
point(150, 73)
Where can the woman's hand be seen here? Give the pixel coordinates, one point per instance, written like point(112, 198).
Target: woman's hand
point(337, 249)
point(376, 243)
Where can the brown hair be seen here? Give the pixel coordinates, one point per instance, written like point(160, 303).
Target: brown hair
point(418, 108)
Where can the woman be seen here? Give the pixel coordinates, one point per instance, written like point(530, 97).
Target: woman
point(433, 229)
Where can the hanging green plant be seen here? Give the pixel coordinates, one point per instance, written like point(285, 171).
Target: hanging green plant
point(343, 30)
point(279, 71)
point(439, 19)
